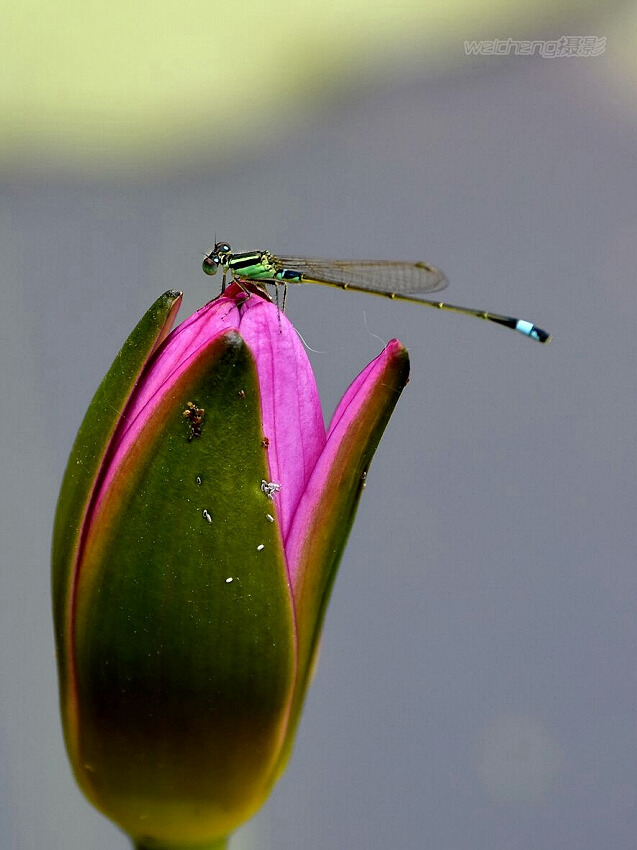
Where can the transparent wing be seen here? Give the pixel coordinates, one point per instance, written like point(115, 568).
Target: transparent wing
point(373, 276)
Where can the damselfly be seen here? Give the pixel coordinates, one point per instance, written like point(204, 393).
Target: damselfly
point(400, 281)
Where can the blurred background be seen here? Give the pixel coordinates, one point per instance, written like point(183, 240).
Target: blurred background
point(477, 688)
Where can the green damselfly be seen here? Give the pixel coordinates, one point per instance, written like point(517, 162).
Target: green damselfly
point(400, 281)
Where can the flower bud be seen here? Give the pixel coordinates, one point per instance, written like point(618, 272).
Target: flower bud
point(199, 527)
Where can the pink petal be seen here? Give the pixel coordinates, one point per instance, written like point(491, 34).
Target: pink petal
point(346, 414)
point(292, 418)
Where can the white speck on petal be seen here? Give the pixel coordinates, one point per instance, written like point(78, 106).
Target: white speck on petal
point(206, 515)
point(260, 547)
point(269, 517)
point(229, 579)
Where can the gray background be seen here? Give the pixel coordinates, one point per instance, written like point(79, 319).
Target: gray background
point(478, 680)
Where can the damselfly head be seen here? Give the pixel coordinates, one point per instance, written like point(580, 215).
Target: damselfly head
point(217, 258)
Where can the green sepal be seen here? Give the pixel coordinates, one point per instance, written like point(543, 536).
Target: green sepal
point(87, 456)
point(182, 631)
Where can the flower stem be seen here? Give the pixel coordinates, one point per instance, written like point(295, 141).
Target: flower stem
point(151, 844)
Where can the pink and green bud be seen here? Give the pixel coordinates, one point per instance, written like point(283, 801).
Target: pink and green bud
point(200, 524)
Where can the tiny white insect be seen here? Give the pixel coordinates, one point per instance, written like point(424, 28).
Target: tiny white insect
point(270, 488)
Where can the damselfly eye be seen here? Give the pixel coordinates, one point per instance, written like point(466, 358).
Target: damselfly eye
point(210, 264)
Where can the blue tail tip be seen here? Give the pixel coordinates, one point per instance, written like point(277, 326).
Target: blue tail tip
point(531, 330)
